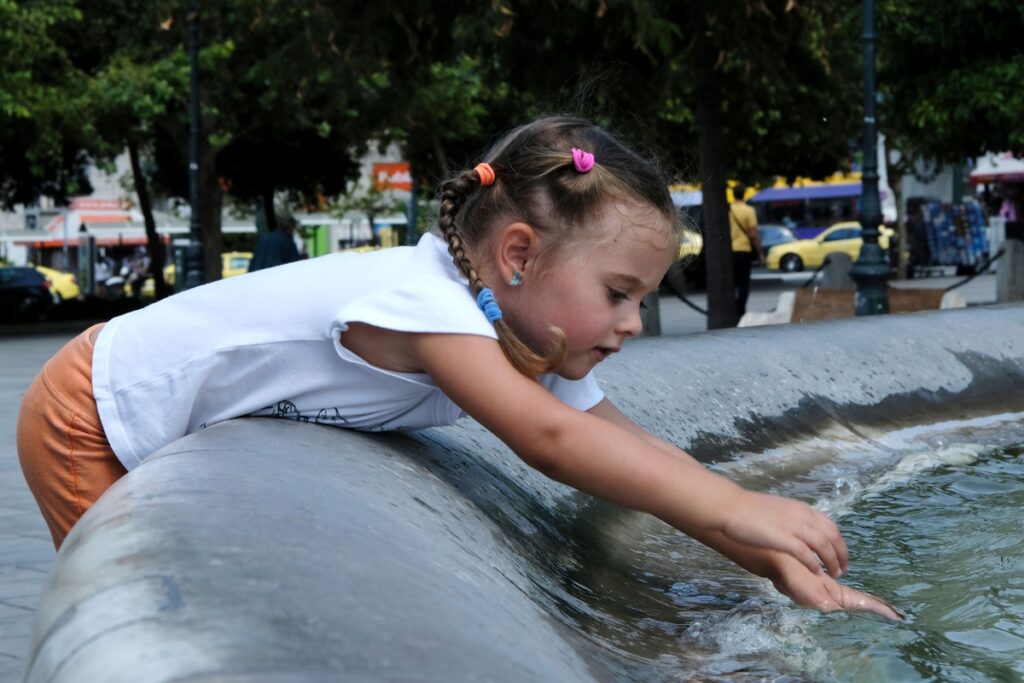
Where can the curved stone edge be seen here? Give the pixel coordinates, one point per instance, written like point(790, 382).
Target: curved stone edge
point(748, 390)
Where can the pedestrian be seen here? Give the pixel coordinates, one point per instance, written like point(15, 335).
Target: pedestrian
point(277, 247)
point(745, 244)
point(542, 256)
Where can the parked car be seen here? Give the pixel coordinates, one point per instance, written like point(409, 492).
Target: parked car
point(25, 294)
point(64, 284)
point(691, 244)
point(232, 263)
point(792, 257)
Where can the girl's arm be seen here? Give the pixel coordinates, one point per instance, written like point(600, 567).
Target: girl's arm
point(607, 460)
point(789, 576)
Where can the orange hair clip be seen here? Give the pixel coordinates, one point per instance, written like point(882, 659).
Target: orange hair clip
point(485, 172)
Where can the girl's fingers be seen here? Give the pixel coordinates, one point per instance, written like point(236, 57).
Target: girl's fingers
point(837, 542)
point(805, 554)
point(824, 537)
point(850, 599)
point(825, 550)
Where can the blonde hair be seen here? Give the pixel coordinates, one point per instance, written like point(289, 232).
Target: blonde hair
point(535, 182)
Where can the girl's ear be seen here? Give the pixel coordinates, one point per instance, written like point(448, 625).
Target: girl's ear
point(517, 246)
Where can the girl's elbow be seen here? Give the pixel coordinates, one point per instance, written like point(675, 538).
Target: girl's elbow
point(547, 452)
point(547, 463)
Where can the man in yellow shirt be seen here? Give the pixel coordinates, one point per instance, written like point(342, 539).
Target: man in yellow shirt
point(745, 240)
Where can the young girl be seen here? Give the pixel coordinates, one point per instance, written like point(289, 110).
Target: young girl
point(548, 248)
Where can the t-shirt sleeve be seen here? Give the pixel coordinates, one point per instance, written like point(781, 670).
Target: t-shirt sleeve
point(427, 304)
point(582, 394)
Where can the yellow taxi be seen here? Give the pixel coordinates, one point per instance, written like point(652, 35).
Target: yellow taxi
point(691, 244)
point(232, 263)
point(64, 284)
point(792, 257)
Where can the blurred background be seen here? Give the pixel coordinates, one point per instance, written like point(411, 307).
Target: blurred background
point(338, 120)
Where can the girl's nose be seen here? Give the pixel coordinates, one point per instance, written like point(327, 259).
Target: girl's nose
point(631, 325)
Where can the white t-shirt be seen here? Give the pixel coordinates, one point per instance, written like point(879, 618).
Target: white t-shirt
point(268, 343)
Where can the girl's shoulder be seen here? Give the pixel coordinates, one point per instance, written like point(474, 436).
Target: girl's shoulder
point(421, 292)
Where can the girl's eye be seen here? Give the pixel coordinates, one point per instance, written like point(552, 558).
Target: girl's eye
point(616, 295)
point(643, 305)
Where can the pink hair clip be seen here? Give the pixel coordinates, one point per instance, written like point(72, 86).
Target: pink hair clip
point(583, 161)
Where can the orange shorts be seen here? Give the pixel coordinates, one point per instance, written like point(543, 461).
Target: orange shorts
point(63, 450)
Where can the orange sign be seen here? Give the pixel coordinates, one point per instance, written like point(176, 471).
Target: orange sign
point(392, 176)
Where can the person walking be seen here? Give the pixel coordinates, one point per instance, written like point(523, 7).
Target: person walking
point(277, 247)
point(745, 243)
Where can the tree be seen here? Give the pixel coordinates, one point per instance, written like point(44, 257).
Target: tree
point(773, 87)
point(284, 107)
point(127, 99)
point(784, 77)
point(290, 96)
point(951, 74)
point(41, 126)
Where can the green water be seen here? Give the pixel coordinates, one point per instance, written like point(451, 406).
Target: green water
point(947, 547)
point(935, 525)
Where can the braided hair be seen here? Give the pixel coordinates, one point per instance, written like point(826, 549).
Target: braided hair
point(535, 181)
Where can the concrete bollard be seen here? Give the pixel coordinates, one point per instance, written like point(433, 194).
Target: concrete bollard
point(1010, 272)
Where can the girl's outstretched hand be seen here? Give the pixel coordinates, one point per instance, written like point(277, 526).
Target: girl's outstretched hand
point(809, 589)
point(777, 523)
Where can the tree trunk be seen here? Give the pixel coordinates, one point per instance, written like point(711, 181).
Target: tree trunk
point(268, 209)
point(210, 214)
point(442, 160)
point(717, 245)
point(155, 246)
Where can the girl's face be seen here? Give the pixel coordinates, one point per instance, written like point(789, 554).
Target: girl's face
point(592, 290)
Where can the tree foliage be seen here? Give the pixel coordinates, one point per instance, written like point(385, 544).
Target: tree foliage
point(42, 126)
point(761, 88)
point(789, 76)
point(952, 75)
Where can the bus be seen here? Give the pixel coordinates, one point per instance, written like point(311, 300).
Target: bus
point(809, 207)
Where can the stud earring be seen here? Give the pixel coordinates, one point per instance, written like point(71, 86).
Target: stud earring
point(517, 279)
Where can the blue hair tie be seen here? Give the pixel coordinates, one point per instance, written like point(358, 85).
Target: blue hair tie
point(485, 300)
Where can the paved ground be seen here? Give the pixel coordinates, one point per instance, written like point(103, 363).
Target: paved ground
point(26, 552)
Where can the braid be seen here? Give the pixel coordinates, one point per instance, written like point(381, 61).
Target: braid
point(453, 195)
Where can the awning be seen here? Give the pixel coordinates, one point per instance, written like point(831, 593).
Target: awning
point(92, 210)
point(998, 168)
point(78, 218)
point(783, 194)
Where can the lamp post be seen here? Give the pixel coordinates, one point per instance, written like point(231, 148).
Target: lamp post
point(193, 265)
point(871, 271)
